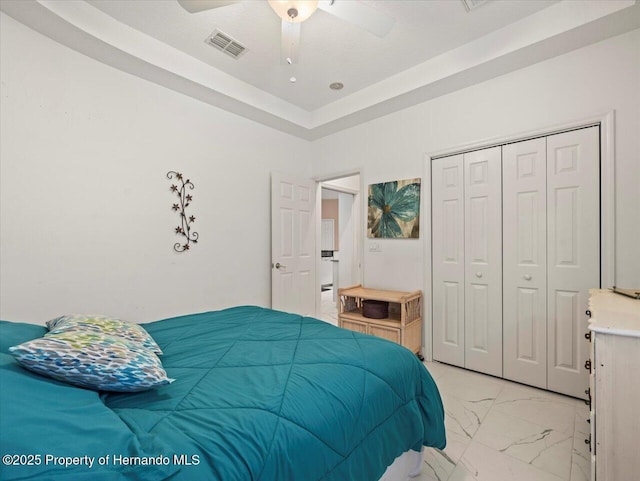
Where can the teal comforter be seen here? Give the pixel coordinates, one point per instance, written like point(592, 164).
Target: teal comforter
point(259, 395)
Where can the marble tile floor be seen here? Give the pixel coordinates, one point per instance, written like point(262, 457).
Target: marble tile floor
point(498, 430)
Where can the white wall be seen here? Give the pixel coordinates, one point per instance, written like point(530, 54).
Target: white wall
point(85, 217)
point(85, 210)
point(592, 80)
point(347, 254)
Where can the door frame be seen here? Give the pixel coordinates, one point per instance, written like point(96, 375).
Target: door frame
point(358, 217)
point(606, 121)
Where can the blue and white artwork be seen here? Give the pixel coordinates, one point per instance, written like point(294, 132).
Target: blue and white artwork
point(394, 210)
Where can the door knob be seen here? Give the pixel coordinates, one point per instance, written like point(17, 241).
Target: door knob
point(279, 266)
point(478, 274)
point(527, 277)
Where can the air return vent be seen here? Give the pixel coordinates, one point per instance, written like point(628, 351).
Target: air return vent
point(225, 43)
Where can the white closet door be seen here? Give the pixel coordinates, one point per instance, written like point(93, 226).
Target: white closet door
point(483, 260)
point(573, 210)
point(448, 259)
point(524, 181)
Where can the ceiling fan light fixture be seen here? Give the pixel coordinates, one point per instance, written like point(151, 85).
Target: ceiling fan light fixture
point(294, 11)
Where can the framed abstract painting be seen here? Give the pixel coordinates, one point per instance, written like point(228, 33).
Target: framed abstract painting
point(394, 210)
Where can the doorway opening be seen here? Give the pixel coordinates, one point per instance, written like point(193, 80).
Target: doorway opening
point(339, 254)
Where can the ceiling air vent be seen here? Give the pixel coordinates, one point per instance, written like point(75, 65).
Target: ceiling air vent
point(471, 4)
point(225, 43)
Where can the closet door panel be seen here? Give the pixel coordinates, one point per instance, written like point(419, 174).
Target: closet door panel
point(448, 259)
point(524, 181)
point(483, 261)
point(573, 173)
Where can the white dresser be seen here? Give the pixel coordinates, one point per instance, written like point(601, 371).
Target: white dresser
point(614, 386)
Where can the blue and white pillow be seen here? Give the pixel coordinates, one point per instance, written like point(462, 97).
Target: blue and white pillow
point(106, 325)
point(92, 360)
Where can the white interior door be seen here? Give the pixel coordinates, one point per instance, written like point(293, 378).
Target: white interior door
point(573, 237)
point(483, 260)
point(448, 259)
point(293, 244)
point(524, 213)
point(327, 234)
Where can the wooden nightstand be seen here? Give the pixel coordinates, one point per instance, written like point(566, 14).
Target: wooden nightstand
point(403, 324)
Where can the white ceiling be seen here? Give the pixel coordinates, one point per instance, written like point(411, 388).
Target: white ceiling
point(331, 50)
point(434, 47)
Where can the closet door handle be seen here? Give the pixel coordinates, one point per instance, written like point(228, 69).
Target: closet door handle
point(527, 277)
point(478, 274)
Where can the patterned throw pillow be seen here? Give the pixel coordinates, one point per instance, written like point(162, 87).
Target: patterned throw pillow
point(92, 360)
point(106, 325)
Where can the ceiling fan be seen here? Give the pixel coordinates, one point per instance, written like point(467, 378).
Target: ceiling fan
point(293, 12)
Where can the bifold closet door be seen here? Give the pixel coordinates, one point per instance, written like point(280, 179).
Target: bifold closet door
point(524, 193)
point(448, 259)
point(483, 260)
point(573, 255)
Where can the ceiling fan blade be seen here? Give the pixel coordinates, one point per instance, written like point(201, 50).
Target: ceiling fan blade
point(360, 14)
point(194, 6)
point(290, 41)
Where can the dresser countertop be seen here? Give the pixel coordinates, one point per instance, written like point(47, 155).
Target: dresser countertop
point(613, 313)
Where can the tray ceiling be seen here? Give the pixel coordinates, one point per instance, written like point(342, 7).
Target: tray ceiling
point(434, 47)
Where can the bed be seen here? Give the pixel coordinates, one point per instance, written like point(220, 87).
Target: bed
point(258, 395)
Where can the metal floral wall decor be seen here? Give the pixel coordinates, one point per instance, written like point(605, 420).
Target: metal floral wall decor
point(184, 200)
point(394, 209)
